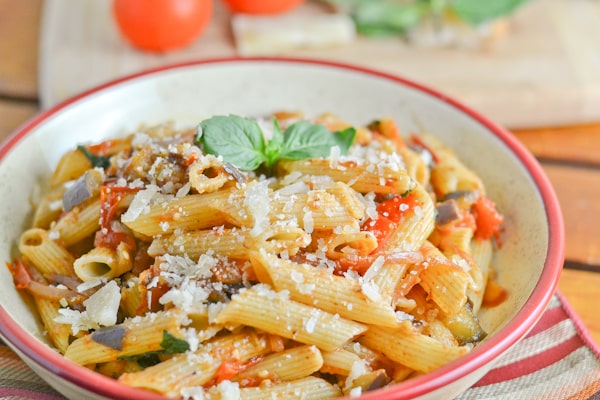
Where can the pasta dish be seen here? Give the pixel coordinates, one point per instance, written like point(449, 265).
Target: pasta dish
point(248, 258)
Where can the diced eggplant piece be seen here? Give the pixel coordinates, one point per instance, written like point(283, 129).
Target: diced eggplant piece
point(465, 326)
point(86, 186)
point(371, 380)
point(447, 211)
point(235, 173)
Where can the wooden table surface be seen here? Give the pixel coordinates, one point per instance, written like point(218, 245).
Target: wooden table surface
point(570, 155)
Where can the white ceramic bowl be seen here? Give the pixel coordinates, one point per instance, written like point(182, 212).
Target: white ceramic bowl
point(528, 263)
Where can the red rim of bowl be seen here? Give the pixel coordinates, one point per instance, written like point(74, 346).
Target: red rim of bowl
point(517, 328)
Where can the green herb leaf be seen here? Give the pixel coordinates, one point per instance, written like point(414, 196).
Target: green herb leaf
point(305, 140)
point(345, 139)
point(241, 142)
point(97, 161)
point(169, 343)
point(173, 345)
point(238, 140)
point(144, 360)
point(275, 145)
point(393, 17)
point(478, 11)
point(378, 18)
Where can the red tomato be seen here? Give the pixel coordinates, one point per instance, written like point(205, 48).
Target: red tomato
point(262, 6)
point(161, 25)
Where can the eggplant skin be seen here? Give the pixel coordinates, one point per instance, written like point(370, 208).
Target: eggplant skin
point(465, 326)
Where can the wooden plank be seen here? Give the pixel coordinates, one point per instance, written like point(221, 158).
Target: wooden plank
point(19, 34)
point(578, 191)
point(13, 114)
point(574, 143)
point(581, 290)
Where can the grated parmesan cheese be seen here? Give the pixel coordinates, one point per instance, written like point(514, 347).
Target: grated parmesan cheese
point(307, 221)
point(140, 203)
point(371, 291)
point(258, 204)
point(100, 310)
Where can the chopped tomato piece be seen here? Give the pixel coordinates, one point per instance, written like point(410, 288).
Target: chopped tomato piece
point(390, 214)
point(110, 197)
point(227, 370)
point(20, 274)
point(420, 142)
point(487, 219)
point(494, 294)
point(388, 128)
point(150, 296)
point(409, 280)
point(108, 147)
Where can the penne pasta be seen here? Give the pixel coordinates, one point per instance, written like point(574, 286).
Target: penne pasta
point(334, 294)
point(362, 177)
point(404, 345)
point(288, 365)
point(309, 388)
point(272, 312)
point(47, 255)
point(320, 261)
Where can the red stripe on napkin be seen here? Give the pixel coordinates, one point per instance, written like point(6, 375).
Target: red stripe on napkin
point(529, 365)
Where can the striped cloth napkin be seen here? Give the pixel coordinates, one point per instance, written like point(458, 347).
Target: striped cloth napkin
point(557, 360)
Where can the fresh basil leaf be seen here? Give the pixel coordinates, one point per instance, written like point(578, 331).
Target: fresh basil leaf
point(173, 345)
point(169, 343)
point(345, 139)
point(305, 140)
point(275, 145)
point(238, 140)
point(143, 360)
point(478, 11)
point(377, 18)
point(97, 161)
point(148, 359)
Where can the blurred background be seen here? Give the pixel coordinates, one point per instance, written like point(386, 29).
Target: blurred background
point(522, 62)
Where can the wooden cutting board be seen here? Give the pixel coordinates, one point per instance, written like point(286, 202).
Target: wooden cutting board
point(544, 71)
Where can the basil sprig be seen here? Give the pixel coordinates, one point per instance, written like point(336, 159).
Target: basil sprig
point(170, 345)
point(386, 17)
point(241, 142)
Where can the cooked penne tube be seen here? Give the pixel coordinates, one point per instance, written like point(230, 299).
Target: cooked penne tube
point(49, 208)
point(59, 333)
point(362, 177)
point(231, 242)
point(134, 336)
point(273, 312)
point(70, 166)
point(318, 287)
point(288, 365)
point(47, 255)
point(314, 210)
point(449, 174)
point(78, 224)
point(338, 362)
point(240, 260)
point(199, 211)
point(405, 346)
point(481, 253)
point(207, 174)
point(103, 263)
point(416, 226)
point(309, 388)
point(196, 369)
